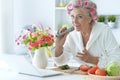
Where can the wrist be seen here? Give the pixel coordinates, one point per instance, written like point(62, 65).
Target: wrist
point(58, 51)
point(95, 60)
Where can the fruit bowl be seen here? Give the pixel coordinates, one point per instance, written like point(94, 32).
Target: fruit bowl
point(96, 77)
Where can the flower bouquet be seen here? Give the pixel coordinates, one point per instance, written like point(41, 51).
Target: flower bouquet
point(34, 38)
point(37, 40)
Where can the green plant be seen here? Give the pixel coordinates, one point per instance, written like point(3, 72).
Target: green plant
point(111, 18)
point(101, 18)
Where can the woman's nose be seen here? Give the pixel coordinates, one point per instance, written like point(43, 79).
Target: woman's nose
point(75, 20)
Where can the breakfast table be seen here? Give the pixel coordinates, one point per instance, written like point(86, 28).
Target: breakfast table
point(11, 65)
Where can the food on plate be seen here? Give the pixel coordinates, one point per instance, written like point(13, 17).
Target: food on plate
point(100, 72)
point(64, 67)
point(113, 69)
point(93, 69)
point(84, 67)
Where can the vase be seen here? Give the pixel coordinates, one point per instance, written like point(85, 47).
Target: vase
point(111, 24)
point(39, 60)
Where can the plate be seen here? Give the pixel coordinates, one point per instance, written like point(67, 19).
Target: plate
point(97, 77)
point(72, 70)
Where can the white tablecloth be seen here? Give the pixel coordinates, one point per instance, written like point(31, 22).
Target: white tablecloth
point(11, 65)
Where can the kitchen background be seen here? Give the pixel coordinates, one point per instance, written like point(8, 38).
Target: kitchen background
point(15, 14)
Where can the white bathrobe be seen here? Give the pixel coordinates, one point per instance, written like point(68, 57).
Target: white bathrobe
point(101, 44)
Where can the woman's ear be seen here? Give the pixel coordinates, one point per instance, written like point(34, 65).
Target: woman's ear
point(90, 20)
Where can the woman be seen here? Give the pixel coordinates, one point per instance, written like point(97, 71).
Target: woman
point(90, 42)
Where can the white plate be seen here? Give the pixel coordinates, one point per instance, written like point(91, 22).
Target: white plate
point(97, 77)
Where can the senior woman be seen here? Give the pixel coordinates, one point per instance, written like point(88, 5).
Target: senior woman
point(90, 42)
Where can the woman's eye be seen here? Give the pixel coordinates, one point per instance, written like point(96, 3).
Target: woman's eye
point(80, 16)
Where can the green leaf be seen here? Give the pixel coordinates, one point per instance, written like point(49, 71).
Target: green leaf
point(34, 48)
point(34, 38)
point(101, 18)
point(111, 18)
point(26, 40)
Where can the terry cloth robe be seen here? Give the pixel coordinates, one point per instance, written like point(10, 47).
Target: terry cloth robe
point(101, 43)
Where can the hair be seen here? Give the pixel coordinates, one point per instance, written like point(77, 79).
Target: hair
point(86, 4)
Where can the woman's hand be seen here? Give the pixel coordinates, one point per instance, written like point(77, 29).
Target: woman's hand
point(60, 41)
point(87, 57)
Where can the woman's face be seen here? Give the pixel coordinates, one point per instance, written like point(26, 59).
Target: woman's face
point(80, 19)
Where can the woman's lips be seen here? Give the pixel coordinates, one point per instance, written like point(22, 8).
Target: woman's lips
point(77, 26)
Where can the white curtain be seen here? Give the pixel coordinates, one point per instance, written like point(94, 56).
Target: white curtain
point(0, 28)
point(6, 26)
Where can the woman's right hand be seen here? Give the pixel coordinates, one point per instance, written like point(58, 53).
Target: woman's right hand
point(61, 39)
point(59, 42)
